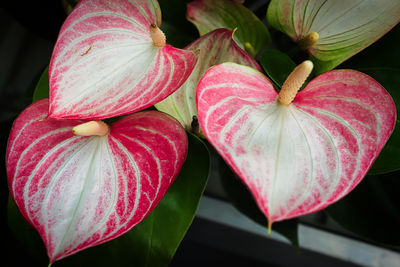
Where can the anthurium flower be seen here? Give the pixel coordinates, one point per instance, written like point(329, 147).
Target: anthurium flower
point(80, 184)
point(111, 59)
point(331, 30)
point(208, 15)
point(215, 47)
point(296, 152)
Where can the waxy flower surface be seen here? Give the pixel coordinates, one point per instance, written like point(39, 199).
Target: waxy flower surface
point(332, 30)
point(111, 59)
point(214, 48)
point(296, 153)
point(80, 191)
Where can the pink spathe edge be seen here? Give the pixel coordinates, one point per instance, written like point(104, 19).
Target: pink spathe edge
point(262, 93)
point(148, 135)
point(89, 39)
point(151, 89)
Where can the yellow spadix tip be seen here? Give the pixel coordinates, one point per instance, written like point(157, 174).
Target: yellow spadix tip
point(309, 40)
point(91, 128)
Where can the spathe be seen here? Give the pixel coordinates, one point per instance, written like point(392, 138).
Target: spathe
point(111, 59)
point(81, 191)
point(332, 31)
point(214, 48)
point(300, 157)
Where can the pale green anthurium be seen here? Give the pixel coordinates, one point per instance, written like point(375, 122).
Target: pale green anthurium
point(214, 48)
point(331, 30)
point(208, 15)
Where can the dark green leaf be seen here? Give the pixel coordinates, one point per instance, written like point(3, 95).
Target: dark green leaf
point(277, 65)
point(154, 241)
point(42, 87)
point(372, 209)
point(388, 159)
point(175, 36)
point(178, 30)
point(25, 235)
point(242, 199)
point(384, 53)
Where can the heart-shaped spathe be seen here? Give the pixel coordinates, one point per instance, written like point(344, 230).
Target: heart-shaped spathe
point(297, 158)
point(80, 191)
point(215, 47)
point(106, 62)
point(344, 27)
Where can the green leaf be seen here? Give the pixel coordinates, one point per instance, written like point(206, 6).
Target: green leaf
point(384, 53)
point(372, 209)
point(42, 87)
point(178, 31)
point(277, 65)
point(242, 199)
point(25, 235)
point(208, 15)
point(388, 159)
point(175, 36)
point(154, 241)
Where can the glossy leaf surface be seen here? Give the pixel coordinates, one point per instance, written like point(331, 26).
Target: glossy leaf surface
point(179, 31)
point(372, 210)
point(80, 191)
point(105, 63)
point(345, 27)
point(215, 47)
point(300, 158)
point(42, 87)
point(209, 15)
point(277, 65)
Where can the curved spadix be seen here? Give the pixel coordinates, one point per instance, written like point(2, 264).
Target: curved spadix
point(296, 158)
point(81, 191)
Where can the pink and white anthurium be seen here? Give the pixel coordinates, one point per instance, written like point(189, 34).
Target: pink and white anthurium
point(215, 47)
point(80, 190)
point(111, 59)
point(296, 153)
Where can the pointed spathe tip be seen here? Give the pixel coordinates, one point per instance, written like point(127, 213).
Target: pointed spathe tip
point(269, 227)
